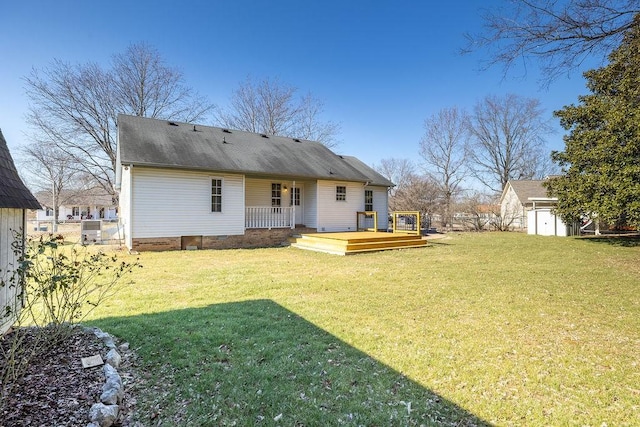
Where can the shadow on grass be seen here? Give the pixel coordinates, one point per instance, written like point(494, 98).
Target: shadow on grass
point(628, 240)
point(257, 363)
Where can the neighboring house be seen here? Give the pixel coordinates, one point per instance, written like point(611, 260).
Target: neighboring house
point(15, 199)
point(78, 205)
point(525, 205)
point(191, 186)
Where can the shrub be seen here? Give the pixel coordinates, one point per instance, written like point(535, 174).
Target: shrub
point(56, 286)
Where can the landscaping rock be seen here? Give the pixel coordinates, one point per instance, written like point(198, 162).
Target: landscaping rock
point(105, 337)
point(103, 415)
point(113, 358)
point(112, 391)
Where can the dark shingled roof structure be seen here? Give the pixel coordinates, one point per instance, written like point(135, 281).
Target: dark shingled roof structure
point(13, 192)
point(168, 144)
point(528, 188)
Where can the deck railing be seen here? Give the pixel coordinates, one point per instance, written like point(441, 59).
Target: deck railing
point(269, 217)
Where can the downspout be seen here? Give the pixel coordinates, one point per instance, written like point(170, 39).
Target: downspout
point(129, 237)
point(293, 204)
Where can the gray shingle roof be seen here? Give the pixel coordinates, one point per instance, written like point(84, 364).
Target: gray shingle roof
point(91, 197)
point(161, 143)
point(528, 188)
point(13, 192)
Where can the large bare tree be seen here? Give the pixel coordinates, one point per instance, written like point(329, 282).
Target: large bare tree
point(398, 171)
point(443, 153)
point(560, 34)
point(274, 108)
point(50, 170)
point(74, 107)
point(507, 140)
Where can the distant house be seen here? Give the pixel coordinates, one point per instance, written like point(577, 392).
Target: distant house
point(77, 205)
point(188, 186)
point(15, 199)
point(524, 205)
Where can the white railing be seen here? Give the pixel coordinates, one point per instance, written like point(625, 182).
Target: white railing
point(268, 217)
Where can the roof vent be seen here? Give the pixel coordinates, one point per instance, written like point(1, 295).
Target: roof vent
point(296, 140)
point(226, 131)
point(224, 140)
point(263, 135)
point(173, 124)
point(194, 128)
point(342, 157)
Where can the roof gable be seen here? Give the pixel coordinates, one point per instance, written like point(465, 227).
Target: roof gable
point(161, 143)
point(524, 189)
point(13, 192)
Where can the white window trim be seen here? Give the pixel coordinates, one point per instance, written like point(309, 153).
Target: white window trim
point(221, 179)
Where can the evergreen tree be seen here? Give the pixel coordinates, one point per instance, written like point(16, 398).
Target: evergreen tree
point(601, 160)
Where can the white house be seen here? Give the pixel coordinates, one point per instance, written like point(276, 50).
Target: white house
point(525, 205)
point(15, 199)
point(76, 205)
point(186, 186)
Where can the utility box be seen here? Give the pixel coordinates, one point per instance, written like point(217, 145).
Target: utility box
point(91, 231)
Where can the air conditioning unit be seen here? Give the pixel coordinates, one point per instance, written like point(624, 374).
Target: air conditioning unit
point(91, 231)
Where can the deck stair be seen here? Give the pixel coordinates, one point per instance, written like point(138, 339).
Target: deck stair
point(357, 242)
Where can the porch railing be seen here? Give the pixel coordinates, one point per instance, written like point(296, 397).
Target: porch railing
point(269, 217)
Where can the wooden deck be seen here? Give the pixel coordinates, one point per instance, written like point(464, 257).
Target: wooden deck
point(357, 242)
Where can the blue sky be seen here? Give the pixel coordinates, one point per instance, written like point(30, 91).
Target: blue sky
point(381, 67)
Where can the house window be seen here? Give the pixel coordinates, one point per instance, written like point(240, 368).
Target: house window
point(276, 195)
point(295, 196)
point(368, 200)
point(75, 211)
point(216, 195)
point(341, 193)
point(49, 212)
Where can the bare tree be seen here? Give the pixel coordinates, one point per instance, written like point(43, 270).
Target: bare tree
point(51, 170)
point(310, 126)
point(478, 211)
point(442, 149)
point(398, 171)
point(560, 34)
point(506, 140)
point(419, 193)
point(272, 107)
point(75, 106)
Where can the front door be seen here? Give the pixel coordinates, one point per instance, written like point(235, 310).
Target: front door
point(296, 201)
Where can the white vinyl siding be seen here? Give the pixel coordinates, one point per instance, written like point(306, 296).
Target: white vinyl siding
point(381, 206)
point(258, 192)
point(512, 210)
point(11, 221)
point(310, 200)
point(171, 203)
point(339, 215)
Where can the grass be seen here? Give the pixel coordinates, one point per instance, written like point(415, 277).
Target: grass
point(494, 328)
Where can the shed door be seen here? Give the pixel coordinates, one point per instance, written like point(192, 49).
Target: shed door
point(545, 223)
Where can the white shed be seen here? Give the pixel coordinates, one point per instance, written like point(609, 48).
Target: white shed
point(543, 221)
point(15, 199)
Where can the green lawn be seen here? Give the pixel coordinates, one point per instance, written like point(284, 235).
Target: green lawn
point(492, 328)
